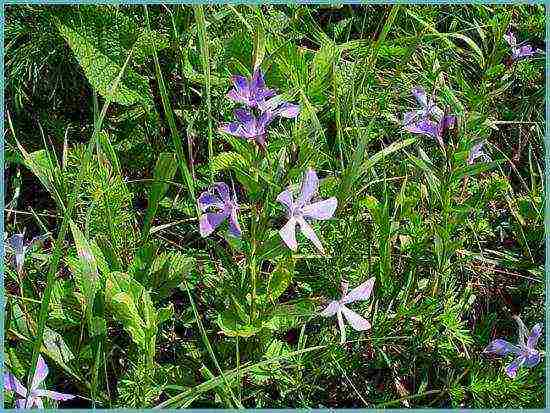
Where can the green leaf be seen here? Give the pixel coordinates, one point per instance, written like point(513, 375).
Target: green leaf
point(165, 170)
point(167, 272)
point(280, 279)
point(101, 39)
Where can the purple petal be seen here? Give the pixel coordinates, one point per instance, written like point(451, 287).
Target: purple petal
point(420, 96)
point(321, 210)
point(206, 200)
point(12, 384)
point(285, 198)
point(288, 234)
point(257, 81)
point(523, 51)
point(240, 83)
point(244, 116)
point(331, 309)
point(223, 191)
point(362, 292)
point(209, 222)
point(501, 348)
point(40, 373)
point(475, 152)
point(448, 122)
point(512, 368)
point(421, 126)
point(235, 129)
point(17, 243)
point(287, 110)
point(355, 320)
point(54, 395)
point(532, 359)
point(236, 97)
point(534, 336)
point(310, 184)
point(310, 234)
point(263, 122)
point(510, 38)
point(234, 227)
point(20, 403)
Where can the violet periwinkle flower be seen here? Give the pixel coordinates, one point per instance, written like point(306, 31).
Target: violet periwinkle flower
point(35, 397)
point(254, 94)
point(430, 120)
point(338, 307)
point(251, 92)
point(526, 352)
point(302, 210)
point(519, 52)
point(219, 199)
point(18, 247)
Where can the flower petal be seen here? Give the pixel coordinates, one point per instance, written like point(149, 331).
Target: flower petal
point(287, 110)
point(244, 116)
point(206, 200)
point(510, 38)
point(288, 234)
point(20, 403)
point(40, 373)
point(209, 222)
point(257, 81)
point(285, 198)
point(420, 95)
point(321, 210)
point(501, 348)
point(310, 184)
point(12, 384)
point(310, 234)
point(533, 338)
point(512, 368)
point(355, 320)
point(360, 293)
point(223, 191)
point(331, 309)
point(17, 243)
point(532, 359)
point(236, 129)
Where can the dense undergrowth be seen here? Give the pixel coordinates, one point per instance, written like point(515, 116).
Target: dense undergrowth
point(114, 128)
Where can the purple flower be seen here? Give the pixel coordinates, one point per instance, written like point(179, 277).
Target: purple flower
point(248, 126)
point(527, 354)
point(218, 198)
point(303, 209)
point(17, 246)
point(35, 397)
point(338, 307)
point(430, 120)
point(254, 94)
point(251, 92)
point(519, 52)
point(477, 152)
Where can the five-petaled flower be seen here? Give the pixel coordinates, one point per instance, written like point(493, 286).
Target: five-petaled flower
point(303, 209)
point(219, 199)
point(35, 397)
point(18, 247)
point(430, 120)
point(338, 307)
point(519, 52)
point(526, 352)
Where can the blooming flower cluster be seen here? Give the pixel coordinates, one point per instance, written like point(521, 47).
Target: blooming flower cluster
point(35, 395)
point(519, 52)
point(429, 120)
point(18, 248)
point(254, 94)
point(526, 352)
